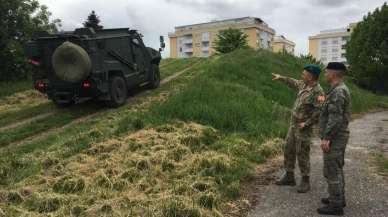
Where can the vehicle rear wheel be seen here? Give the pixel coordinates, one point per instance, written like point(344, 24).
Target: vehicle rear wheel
point(155, 77)
point(118, 92)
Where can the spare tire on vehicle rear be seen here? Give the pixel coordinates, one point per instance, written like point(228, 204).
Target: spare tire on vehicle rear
point(71, 62)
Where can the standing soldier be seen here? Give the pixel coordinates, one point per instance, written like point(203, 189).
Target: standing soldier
point(305, 114)
point(334, 133)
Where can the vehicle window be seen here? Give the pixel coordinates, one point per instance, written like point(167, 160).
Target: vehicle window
point(136, 41)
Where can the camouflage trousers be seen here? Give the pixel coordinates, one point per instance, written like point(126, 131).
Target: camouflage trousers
point(333, 163)
point(297, 147)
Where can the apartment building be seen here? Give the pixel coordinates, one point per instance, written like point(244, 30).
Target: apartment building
point(282, 44)
point(330, 45)
point(198, 40)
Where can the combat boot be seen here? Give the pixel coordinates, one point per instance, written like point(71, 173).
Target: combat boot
point(331, 210)
point(304, 185)
point(326, 202)
point(287, 179)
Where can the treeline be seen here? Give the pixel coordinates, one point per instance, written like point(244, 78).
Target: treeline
point(19, 19)
point(367, 51)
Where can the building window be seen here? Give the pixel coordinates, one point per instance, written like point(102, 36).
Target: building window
point(343, 55)
point(323, 42)
point(334, 58)
point(205, 53)
point(343, 47)
point(334, 50)
point(324, 51)
point(324, 59)
point(334, 42)
point(205, 44)
point(205, 36)
point(345, 38)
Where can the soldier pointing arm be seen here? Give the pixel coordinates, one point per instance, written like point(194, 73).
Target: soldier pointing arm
point(305, 114)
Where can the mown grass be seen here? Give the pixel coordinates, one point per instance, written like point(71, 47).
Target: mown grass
point(78, 135)
point(9, 88)
point(180, 154)
point(172, 66)
point(38, 126)
point(382, 164)
point(23, 113)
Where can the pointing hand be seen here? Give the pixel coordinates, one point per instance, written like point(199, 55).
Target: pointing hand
point(275, 76)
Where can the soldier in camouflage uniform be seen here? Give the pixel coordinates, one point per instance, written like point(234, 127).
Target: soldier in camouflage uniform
point(334, 133)
point(305, 114)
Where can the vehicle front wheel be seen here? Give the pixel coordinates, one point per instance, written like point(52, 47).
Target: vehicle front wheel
point(155, 77)
point(118, 92)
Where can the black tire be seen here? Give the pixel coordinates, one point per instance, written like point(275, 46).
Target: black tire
point(154, 81)
point(118, 92)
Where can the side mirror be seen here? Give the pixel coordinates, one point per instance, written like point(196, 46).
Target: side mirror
point(162, 44)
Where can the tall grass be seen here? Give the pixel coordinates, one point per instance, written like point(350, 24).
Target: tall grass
point(9, 88)
point(236, 95)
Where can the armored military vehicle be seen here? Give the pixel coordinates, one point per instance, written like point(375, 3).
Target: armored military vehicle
point(85, 63)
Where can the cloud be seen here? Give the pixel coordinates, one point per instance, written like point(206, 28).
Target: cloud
point(330, 3)
point(230, 8)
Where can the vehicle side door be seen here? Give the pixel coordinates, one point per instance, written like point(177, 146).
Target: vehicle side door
point(140, 57)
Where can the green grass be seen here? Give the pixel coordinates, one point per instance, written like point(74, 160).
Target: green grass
point(182, 169)
point(175, 65)
point(38, 126)
point(9, 88)
point(14, 116)
point(244, 100)
point(236, 99)
point(382, 164)
point(167, 61)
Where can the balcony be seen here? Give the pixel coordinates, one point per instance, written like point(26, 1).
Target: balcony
point(188, 50)
point(205, 48)
point(187, 41)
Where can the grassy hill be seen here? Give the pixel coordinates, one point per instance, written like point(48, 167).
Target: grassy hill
point(181, 150)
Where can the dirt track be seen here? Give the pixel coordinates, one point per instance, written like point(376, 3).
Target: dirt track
point(366, 192)
point(83, 118)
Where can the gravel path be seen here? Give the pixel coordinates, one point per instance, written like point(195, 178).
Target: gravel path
point(366, 193)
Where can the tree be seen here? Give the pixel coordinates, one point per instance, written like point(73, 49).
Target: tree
point(367, 51)
point(310, 59)
point(93, 21)
point(229, 40)
point(19, 19)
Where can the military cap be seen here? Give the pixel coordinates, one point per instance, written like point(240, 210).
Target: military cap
point(313, 69)
point(337, 66)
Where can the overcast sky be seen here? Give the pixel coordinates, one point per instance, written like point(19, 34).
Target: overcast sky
point(294, 19)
